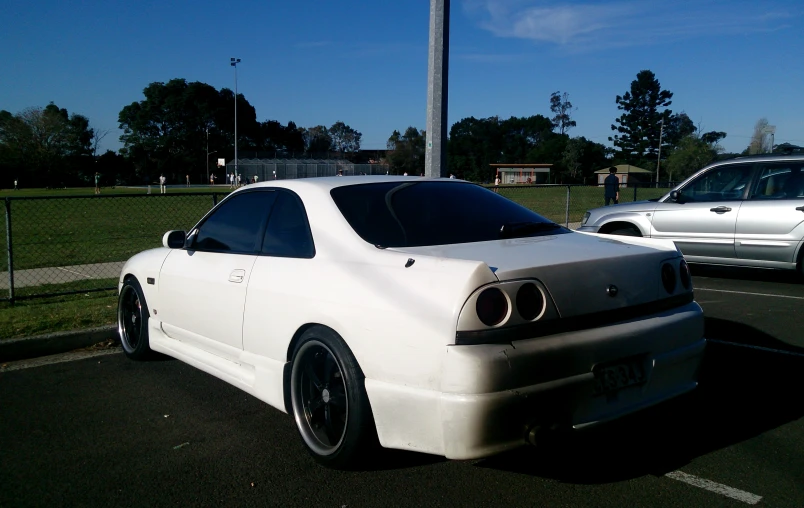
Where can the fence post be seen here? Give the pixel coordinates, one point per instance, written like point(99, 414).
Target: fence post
point(566, 212)
point(10, 252)
point(636, 186)
point(214, 199)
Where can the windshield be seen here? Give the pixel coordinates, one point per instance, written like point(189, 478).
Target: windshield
point(415, 214)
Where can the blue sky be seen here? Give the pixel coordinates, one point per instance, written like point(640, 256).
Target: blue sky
point(728, 63)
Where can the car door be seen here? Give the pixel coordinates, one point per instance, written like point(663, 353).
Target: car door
point(702, 221)
point(282, 280)
point(203, 286)
point(771, 223)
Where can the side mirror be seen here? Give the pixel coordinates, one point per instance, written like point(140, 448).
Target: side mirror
point(174, 239)
point(675, 196)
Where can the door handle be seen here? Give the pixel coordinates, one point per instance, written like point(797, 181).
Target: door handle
point(237, 276)
point(720, 209)
point(800, 208)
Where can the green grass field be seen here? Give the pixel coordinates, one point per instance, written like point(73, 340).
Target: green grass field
point(551, 202)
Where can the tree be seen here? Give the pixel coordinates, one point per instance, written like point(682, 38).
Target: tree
point(562, 108)
point(474, 144)
point(639, 126)
point(166, 132)
point(317, 140)
point(406, 151)
point(344, 138)
point(46, 145)
point(760, 140)
point(573, 152)
point(692, 153)
point(677, 127)
point(97, 137)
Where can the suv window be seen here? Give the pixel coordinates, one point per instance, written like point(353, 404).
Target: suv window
point(288, 233)
point(412, 214)
point(235, 225)
point(721, 183)
point(780, 181)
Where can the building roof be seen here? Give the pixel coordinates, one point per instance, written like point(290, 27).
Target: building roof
point(624, 169)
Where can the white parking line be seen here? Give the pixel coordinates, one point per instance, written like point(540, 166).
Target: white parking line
point(751, 294)
point(719, 488)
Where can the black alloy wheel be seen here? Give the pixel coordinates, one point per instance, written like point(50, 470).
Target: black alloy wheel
point(132, 321)
point(329, 401)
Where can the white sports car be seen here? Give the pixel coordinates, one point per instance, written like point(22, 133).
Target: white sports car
point(431, 314)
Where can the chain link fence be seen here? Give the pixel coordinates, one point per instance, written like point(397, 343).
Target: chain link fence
point(566, 204)
point(66, 245)
point(270, 169)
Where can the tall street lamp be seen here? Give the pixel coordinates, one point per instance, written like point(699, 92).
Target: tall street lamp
point(208, 154)
point(233, 63)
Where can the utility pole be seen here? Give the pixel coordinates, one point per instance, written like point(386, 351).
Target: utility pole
point(233, 63)
point(659, 159)
point(435, 159)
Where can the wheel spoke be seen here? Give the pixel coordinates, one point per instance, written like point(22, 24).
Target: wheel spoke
point(314, 406)
point(329, 427)
point(308, 369)
point(338, 400)
point(329, 367)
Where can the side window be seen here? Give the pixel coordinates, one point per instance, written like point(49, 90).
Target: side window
point(235, 226)
point(288, 233)
point(780, 181)
point(722, 183)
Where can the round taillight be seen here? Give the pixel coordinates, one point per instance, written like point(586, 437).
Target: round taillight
point(529, 302)
point(684, 273)
point(668, 277)
point(492, 306)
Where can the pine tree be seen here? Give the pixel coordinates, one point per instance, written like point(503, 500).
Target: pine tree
point(640, 124)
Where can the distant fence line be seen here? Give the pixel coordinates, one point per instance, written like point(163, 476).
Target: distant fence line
point(286, 170)
point(59, 245)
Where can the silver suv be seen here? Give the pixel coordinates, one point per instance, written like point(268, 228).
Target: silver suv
point(747, 211)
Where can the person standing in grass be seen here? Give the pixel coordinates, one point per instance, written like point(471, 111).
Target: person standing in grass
point(611, 187)
point(162, 184)
point(97, 182)
point(188, 180)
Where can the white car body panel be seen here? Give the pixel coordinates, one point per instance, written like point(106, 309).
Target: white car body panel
point(426, 393)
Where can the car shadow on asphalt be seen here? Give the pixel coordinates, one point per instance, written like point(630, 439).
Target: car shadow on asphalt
point(743, 392)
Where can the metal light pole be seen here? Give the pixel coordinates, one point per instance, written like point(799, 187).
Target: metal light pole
point(770, 129)
point(208, 154)
point(233, 63)
point(659, 159)
point(435, 155)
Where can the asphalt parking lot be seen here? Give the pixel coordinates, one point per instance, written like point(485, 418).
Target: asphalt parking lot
point(104, 431)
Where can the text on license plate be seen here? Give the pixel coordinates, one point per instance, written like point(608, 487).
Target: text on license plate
point(612, 377)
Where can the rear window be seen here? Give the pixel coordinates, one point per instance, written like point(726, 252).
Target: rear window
point(415, 214)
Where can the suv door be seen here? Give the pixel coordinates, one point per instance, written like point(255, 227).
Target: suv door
point(202, 287)
point(771, 222)
point(703, 220)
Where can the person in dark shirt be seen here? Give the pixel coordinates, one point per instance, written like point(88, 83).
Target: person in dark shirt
point(612, 187)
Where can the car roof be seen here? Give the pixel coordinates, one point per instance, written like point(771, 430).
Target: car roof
point(768, 157)
point(327, 183)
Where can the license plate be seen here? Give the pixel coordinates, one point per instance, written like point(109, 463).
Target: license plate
point(610, 378)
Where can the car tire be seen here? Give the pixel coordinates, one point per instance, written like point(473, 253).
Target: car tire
point(625, 232)
point(329, 400)
point(132, 321)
